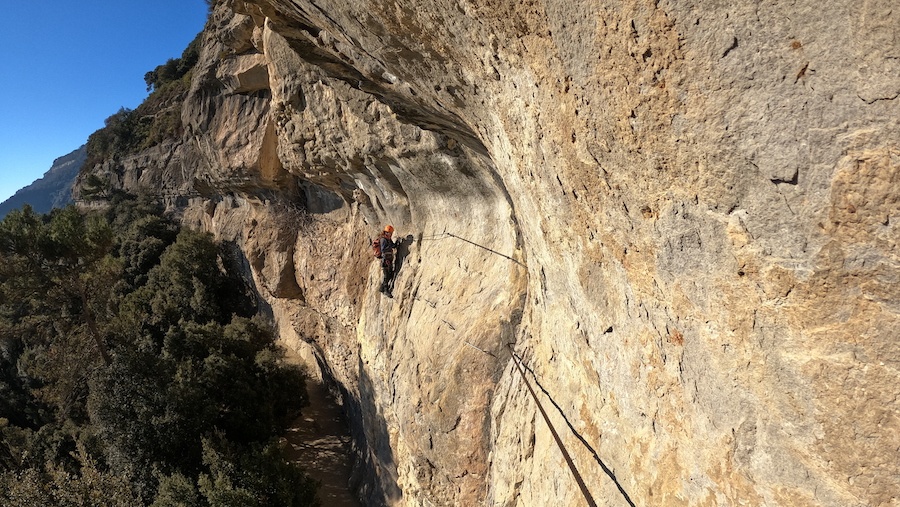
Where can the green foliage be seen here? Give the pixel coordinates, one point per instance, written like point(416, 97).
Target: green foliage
point(175, 68)
point(177, 490)
point(140, 246)
point(149, 407)
point(57, 486)
point(118, 137)
point(253, 476)
point(55, 281)
point(94, 187)
point(120, 352)
point(182, 287)
point(157, 119)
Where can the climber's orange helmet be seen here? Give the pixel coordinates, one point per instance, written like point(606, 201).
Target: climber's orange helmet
point(389, 229)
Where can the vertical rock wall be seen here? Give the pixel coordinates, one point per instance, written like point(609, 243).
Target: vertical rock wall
point(682, 214)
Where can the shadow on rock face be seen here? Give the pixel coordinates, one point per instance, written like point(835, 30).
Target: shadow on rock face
point(403, 250)
point(376, 473)
point(321, 200)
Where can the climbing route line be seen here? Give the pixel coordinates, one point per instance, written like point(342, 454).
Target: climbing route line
point(584, 442)
point(445, 235)
point(559, 443)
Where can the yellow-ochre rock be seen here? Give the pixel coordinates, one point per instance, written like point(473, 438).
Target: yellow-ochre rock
point(684, 216)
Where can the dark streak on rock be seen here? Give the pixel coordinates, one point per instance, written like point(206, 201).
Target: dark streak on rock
point(732, 47)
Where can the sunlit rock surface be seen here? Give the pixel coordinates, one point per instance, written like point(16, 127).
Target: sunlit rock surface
point(682, 215)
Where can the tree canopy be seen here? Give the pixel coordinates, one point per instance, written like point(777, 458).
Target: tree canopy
point(134, 369)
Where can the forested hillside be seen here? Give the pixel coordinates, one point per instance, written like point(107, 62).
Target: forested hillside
point(133, 367)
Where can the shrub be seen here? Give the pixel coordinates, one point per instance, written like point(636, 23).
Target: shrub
point(185, 365)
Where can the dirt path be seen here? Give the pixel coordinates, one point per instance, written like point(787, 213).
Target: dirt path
point(319, 441)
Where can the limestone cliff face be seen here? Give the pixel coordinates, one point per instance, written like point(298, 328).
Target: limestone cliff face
point(683, 215)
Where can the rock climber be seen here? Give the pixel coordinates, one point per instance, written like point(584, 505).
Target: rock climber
point(388, 248)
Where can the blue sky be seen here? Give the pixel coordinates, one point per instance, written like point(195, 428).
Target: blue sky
point(66, 66)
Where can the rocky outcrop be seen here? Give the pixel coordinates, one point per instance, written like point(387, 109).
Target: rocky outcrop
point(682, 216)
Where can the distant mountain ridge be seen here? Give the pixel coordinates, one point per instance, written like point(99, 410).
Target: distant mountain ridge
point(53, 190)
